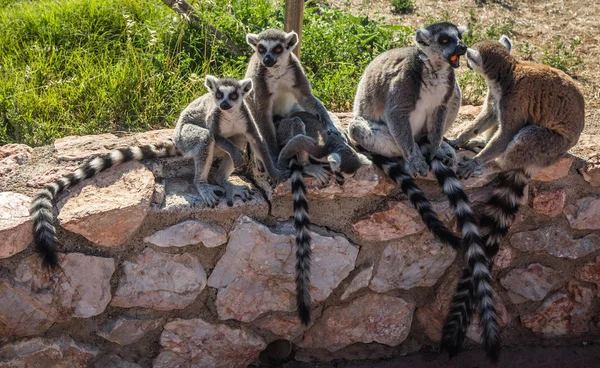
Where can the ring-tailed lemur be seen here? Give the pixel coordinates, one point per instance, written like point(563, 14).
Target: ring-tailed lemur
point(279, 82)
point(305, 136)
point(219, 117)
point(541, 114)
point(405, 102)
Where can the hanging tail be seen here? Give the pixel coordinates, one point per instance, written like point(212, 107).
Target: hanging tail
point(399, 175)
point(44, 233)
point(303, 250)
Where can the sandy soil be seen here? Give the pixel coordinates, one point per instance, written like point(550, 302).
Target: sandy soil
point(535, 22)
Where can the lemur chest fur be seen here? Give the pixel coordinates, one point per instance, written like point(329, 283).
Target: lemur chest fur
point(434, 88)
point(280, 82)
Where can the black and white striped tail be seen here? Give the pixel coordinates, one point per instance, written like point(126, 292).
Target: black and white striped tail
point(399, 175)
point(460, 312)
point(303, 250)
point(44, 233)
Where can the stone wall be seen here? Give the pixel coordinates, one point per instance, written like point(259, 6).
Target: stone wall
point(151, 278)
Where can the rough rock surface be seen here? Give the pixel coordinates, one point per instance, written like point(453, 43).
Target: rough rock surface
point(62, 352)
point(125, 331)
point(37, 298)
point(160, 281)
point(412, 262)
point(431, 317)
point(367, 181)
point(550, 203)
point(189, 232)
point(555, 241)
point(256, 273)
point(398, 221)
point(556, 171)
point(196, 343)
point(564, 312)
point(534, 282)
point(591, 272)
point(585, 214)
point(371, 318)
point(15, 223)
point(110, 207)
point(360, 281)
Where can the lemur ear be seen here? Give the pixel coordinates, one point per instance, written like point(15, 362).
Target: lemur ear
point(506, 42)
point(291, 40)
point(246, 85)
point(423, 37)
point(211, 82)
point(461, 31)
point(252, 40)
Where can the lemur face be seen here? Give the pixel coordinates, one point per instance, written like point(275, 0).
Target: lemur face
point(442, 41)
point(228, 93)
point(272, 46)
point(484, 56)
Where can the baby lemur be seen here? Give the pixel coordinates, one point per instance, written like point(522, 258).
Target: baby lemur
point(406, 99)
point(540, 114)
point(303, 137)
point(279, 82)
point(218, 118)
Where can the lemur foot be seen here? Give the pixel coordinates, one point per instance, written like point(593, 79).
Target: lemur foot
point(417, 165)
point(318, 172)
point(232, 191)
point(475, 145)
point(468, 167)
point(210, 193)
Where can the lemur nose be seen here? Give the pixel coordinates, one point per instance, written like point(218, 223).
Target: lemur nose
point(225, 105)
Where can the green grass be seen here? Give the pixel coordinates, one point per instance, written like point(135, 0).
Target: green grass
point(85, 67)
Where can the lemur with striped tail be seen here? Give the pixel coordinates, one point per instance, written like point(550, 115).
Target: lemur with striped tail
point(406, 100)
point(304, 137)
point(540, 114)
point(218, 118)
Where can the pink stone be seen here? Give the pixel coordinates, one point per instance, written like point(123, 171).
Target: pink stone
point(584, 214)
point(533, 283)
point(15, 223)
point(371, 318)
point(565, 312)
point(398, 221)
point(556, 171)
point(110, 207)
point(549, 203)
point(591, 272)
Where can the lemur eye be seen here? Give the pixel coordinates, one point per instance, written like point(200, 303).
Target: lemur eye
point(233, 96)
point(278, 50)
point(261, 49)
point(219, 95)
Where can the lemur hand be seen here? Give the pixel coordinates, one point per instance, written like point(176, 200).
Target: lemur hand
point(468, 167)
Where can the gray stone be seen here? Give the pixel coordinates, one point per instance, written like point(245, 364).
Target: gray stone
point(196, 343)
point(533, 283)
point(189, 232)
point(555, 241)
point(256, 273)
point(160, 281)
point(412, 262)
point(126, 331)
point(62, 352)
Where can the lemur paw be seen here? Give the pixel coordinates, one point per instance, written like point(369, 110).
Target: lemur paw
point(232, 191)
point(417, 165)
point(210, 193)
point(468, 167)
point(319, 173)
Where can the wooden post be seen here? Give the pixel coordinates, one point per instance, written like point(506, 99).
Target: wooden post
point(294, 12)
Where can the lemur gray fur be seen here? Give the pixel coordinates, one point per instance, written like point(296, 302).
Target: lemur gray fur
point(304, 136)
point(279, 82)
point(406, 100)
point(218, 118)
point(540, 113)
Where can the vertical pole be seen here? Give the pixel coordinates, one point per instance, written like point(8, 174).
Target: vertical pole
point(294, 12)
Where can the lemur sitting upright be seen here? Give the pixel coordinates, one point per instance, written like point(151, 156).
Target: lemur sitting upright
point(219, 117)
point(540, 113)
point(279, 82)
point(406, 99)
point(305, 136)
